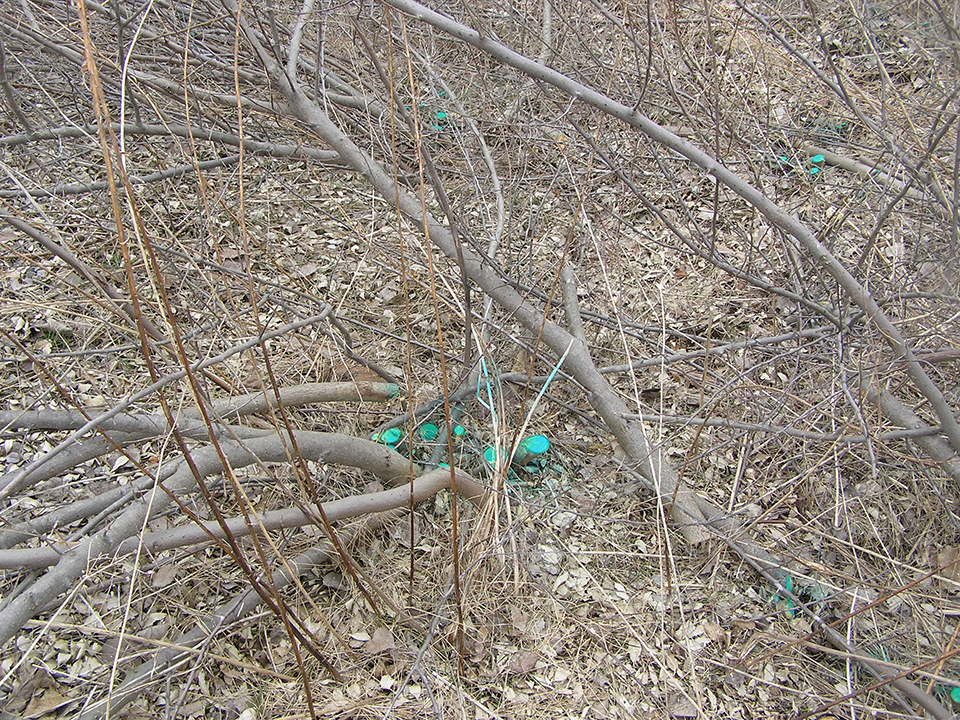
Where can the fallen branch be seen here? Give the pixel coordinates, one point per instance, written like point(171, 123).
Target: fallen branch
point(425, 486)
point(116, 302)
point(79, 189)
point(838, 437)
point(323, 447)
point(299, 395)
point(152, 671)
point(873, 172)
point(22, 476)
point(927, 438)
point(254, 147)
point(124, 429)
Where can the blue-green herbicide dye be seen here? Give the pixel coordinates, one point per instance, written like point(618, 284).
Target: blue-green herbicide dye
point(531, 449)
point(390, 436)
point(816, 160)
point(429, 432)
point(777, 597)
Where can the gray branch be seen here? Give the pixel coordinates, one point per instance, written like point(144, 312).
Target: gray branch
point(328, 448)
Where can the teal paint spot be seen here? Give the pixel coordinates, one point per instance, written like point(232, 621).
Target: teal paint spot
point(536, 444)
point(390, 436)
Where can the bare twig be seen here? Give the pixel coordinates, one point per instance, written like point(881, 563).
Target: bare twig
point(156, 669)
point(571, 305)
point(254, 147)
point(179, 171)
point(117, 303)
point(839, 437)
